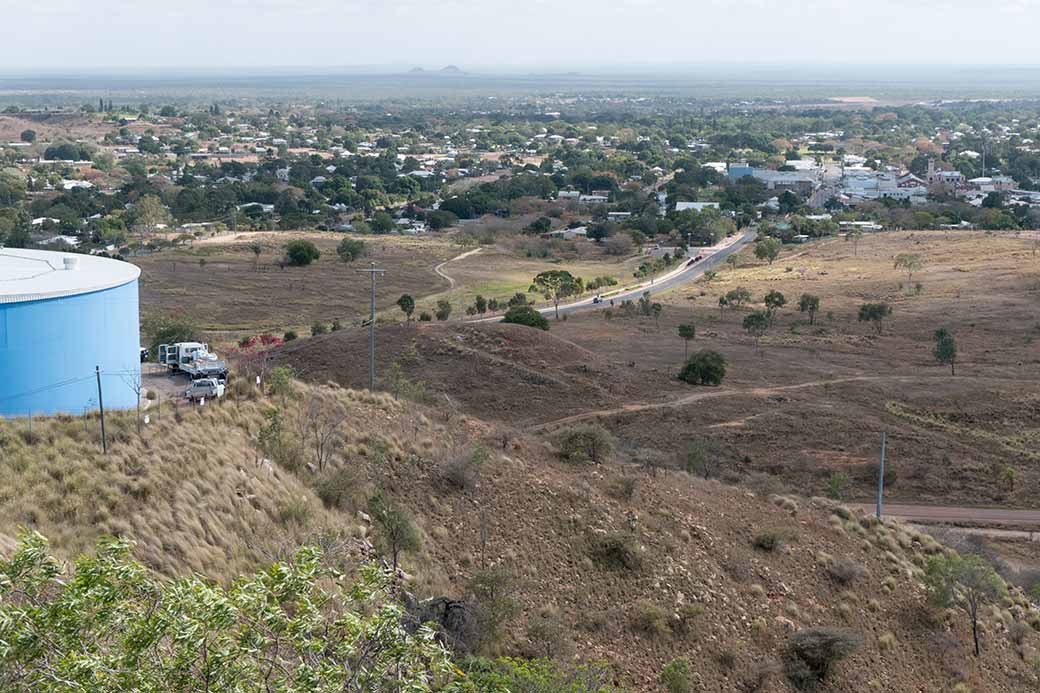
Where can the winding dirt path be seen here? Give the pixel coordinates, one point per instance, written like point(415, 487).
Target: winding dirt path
point(439, 269)
point(990, 521)
point(715, 393)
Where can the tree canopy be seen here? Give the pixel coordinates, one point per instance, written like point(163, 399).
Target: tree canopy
point(555, 285)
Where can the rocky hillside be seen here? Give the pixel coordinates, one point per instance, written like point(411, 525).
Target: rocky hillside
point(635, 566)
point(503, 372)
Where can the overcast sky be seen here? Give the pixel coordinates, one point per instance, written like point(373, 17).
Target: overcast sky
point(71, 35)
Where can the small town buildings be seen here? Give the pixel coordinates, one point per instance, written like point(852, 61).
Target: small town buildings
point(567, 234)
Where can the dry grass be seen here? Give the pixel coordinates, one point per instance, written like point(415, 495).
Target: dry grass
point(810, 402)
point(232, 298)
point(190, 490)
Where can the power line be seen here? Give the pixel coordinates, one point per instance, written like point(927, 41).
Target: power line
point(63, 383)
point(47, 388)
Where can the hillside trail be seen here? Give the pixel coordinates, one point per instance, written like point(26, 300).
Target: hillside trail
point(991, 519)
point(723, 392)
point(439, 269)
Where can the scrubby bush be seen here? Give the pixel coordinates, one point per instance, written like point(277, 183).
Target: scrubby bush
point(585, 443)
point(625, 488)
point(336, 487)
point(318, 327)
point(492, 593)
point(812, 653)
point(675, 676)
point(846, 570)
point(703, 458)
point(300, 253)
point(617, 551)
point(526, 315)
point(705, 367)
point(350, 249)
point(289, 336)
point(549, 636)
point(463, 471)
point(687, 616)
point(536, 676)
point(396, 529)
point(771, 540)
point(650, 620)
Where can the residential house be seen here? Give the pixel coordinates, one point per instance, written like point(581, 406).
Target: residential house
point(696, 206)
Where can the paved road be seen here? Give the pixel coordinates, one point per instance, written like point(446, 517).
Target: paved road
point(936, 514)
point(683, 275)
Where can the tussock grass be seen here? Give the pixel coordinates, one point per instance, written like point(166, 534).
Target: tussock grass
point(193, 490)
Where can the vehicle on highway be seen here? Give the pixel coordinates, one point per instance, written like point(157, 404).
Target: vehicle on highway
point(597, 299)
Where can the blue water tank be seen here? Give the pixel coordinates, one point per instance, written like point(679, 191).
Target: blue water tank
point(61, 316)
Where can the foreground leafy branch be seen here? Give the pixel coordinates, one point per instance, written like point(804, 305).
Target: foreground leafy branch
point(111, 625)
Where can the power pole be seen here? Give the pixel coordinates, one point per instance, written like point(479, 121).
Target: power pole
point(101, 404)
point(372, 272)
point(881, 477)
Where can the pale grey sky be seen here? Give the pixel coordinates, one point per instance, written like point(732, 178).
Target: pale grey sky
point(70, 35)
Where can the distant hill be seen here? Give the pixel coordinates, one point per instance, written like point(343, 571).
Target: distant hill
point(451, 70)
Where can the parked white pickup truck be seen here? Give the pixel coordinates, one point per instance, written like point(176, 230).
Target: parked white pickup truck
point(209, 388)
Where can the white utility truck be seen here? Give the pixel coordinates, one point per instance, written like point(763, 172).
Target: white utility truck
point(205, 388)
point(193, 358)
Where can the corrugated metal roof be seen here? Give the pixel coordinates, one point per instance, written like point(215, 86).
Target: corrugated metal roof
point(34, 275)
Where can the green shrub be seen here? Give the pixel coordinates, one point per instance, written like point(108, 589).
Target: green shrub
point(318, 327)
point(675, 676)
point(536, 676)
point(771, 540)
point(526, 315)
point(336, 487)
point(705, 367)
point(838, 485)
point(289, 336)
point(585, 443)
point(294, 512)
point(300, 253)
point(350, 249)
point(688, 614)
point(617, 551)
point(651, 620)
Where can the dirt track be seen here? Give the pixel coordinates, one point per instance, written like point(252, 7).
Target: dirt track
point(439, 269)
point(719, 392)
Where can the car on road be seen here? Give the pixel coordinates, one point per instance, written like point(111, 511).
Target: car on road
point(597, 299)
point(205, 387)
